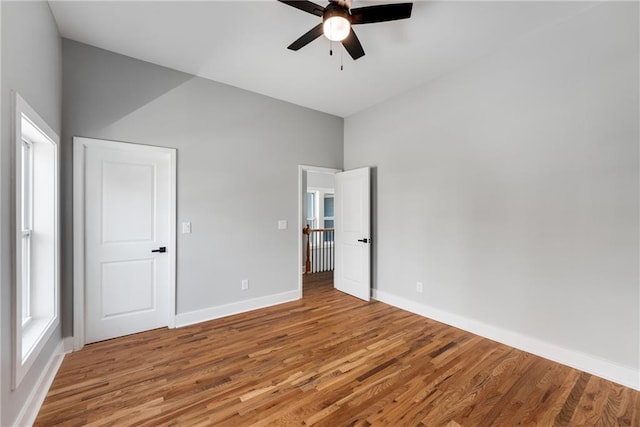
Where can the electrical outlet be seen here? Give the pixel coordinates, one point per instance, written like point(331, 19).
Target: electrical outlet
point(245, 284)
point(419, 287)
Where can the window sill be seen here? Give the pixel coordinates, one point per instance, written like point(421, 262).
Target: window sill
point(32, 333)
point(34, 337)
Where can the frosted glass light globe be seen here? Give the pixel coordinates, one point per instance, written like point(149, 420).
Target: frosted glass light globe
point(336, 28)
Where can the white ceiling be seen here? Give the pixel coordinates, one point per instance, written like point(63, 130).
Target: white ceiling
point(244, 43)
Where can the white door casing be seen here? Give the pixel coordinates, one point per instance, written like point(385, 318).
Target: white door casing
point(128, 206)
point(352, 272)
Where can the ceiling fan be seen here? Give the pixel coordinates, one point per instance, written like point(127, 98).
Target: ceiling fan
point(338, 17)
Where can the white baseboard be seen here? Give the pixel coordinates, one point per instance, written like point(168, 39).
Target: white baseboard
point(67, 344)
point(192, 317)
point(606, 369)
point(29, 412)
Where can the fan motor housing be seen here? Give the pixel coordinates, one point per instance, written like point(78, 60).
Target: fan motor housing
point(334, 9)
point(342, 3)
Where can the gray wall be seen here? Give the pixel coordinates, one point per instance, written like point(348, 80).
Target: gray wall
point(510, 187)
point(31, 65)
point(237, 167)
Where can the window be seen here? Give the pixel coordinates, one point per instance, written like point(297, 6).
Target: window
point(328, 211)
point(37, 236)
point(312, 213)
point(320, 207)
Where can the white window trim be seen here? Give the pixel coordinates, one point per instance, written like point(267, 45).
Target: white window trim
point(314, 215)
point(26, 231)
point(324, 196)
point(2, 245)
point(320, 193)
point(38, 331)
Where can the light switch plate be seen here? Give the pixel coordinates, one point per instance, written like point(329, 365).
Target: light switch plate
point(186, 228)
point(282, 224)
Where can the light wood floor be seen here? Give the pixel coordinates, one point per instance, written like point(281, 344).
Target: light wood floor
point(329, 360)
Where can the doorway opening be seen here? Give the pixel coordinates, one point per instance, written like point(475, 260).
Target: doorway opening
point(124, 239)
point(316, 219)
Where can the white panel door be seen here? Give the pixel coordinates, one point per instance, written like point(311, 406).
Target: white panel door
point(127, 220)
point(352, 273)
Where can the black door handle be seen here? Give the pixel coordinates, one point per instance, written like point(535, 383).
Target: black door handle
point(161, 249)
point(363, 240)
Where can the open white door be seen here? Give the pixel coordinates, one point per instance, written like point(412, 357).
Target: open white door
point(128, 225)
point(352, 273)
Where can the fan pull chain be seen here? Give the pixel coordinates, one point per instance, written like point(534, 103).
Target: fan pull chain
point(341, 59)
point(330, 41)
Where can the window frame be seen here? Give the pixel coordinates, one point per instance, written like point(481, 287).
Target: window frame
point(26, 219)
point(319, 194)
point(33, 330)
point(313, 218)
point(328, 195)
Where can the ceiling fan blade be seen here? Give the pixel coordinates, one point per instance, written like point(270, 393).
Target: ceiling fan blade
point(381, 13)
point(307, 38)
point(353, 45)
point(307, 6)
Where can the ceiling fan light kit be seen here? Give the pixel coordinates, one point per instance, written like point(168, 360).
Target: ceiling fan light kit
point(336, 23)
point(338, 19)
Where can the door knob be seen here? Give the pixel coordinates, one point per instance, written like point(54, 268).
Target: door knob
point(161, 249)
point(363, 240)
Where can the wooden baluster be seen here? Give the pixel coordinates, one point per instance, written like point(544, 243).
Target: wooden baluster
point(326, 251)
point(333, 239)
point(314, 253)
point(331, 250)
point(307, 264)
point(321, 252)
point(331, 253)
point(327, 233)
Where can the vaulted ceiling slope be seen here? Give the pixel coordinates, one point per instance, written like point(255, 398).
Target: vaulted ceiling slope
point(244, 43)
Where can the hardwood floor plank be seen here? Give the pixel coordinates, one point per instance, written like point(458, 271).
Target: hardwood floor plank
point(327, 360)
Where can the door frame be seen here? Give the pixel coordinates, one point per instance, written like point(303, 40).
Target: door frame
point(301, 200)
point(80, 144)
